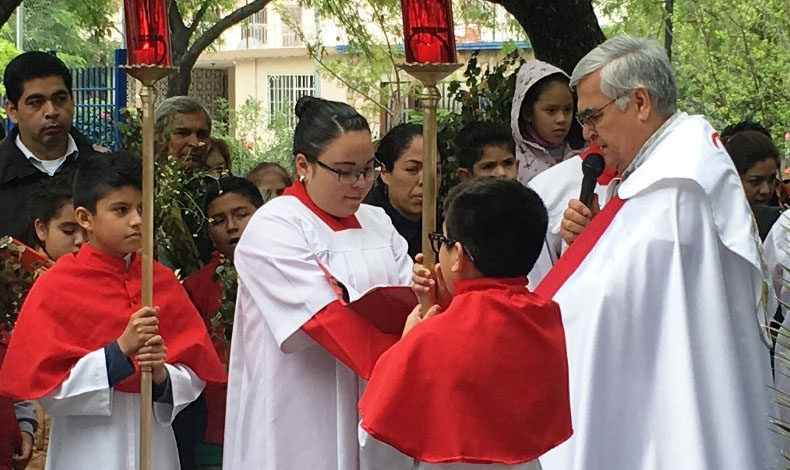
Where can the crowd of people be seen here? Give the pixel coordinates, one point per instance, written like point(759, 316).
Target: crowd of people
point(630, 332)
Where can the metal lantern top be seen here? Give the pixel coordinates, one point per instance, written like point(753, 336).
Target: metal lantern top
point(428, 31)
point(147, 34)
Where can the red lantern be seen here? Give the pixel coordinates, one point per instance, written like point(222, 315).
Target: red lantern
point(147, 35)
point(428, 31)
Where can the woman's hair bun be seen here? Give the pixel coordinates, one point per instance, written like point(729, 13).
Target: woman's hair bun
point(304, 103)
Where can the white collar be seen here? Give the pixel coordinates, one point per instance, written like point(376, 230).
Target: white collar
point(72, 148)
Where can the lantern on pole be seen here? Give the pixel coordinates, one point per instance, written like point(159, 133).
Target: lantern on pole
point(429, 40)
point(148, 52)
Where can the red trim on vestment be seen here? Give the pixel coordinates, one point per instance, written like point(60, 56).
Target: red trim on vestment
point(299, 191)
point(347, 336)
point(573, 257)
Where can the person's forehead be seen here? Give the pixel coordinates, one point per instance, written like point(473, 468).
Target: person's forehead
point(496, 151)
point(43, 85)
point(122, 195)
point(588, 92)
point(196, 120)
point(228, 202)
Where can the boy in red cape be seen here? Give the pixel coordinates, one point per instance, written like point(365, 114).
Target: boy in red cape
point(81, 335)
point(486, 380)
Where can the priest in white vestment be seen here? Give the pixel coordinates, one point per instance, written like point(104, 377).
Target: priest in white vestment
point(662, 293)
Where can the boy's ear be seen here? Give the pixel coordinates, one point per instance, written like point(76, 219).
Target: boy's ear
point(464, 174)
point(84, 218)
point(460, 260)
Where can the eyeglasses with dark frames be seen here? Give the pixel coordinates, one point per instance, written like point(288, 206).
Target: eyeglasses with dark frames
point(352, 176)
point(437, 239)
point(590, 117)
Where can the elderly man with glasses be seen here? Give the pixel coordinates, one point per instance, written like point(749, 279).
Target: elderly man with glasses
point(662, 292)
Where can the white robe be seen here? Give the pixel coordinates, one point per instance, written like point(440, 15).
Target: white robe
point(291, 404)
point(96, 427)
point(556, 186)
point(382, 456)
point(668, 364)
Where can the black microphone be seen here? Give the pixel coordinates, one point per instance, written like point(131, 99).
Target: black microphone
point(592, 167)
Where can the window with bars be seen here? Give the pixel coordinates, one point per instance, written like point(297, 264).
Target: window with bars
point(294, 16)
point(257, 28)
point(284, 91)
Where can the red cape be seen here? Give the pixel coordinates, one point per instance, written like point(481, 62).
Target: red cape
point(486, 381)
point(206, 294)
point(82, 303)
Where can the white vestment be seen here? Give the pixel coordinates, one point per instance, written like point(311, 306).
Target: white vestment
point(556, 186)
point(96, 427)
point(291, 404)
point(668, 362)
point(382, 456)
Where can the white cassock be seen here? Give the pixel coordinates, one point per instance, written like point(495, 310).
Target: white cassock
point(291, 404)
point(669, 366)
point(96, 427)
point(556, 186)
point(382, 456)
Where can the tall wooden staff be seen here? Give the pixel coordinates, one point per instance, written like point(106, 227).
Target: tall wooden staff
point(148, 49)
point(429, 40)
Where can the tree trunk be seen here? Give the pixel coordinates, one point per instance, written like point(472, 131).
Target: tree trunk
point(7, 8)
point(561, 31)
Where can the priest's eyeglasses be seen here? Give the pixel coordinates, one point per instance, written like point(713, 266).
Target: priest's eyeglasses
point(351, 177)
point(590, 117)
point(437, 239)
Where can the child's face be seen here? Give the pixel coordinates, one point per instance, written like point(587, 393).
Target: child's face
point(215, 162)
point(497, 160)
point(552, 114)
point(62, 234)
point(228, 216)
point(115, 226)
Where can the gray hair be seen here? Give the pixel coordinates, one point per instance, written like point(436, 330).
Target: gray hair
point(626, 63)
point(177, 105)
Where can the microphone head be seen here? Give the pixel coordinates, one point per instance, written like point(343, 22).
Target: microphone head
point(593, 165)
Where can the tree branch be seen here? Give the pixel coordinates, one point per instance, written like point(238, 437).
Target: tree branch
point(177, 25)
point(199, 16)
point(214, 32)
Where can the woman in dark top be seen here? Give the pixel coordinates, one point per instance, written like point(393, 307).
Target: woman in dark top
point(399, 189)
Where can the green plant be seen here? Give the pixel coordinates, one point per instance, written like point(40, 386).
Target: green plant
point(228, 279)
point(16, 281)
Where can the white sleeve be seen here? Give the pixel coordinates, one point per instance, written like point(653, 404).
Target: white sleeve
point(186, 387)
point(403, 261)
point(280, 272)
point(776, 256)
point(377, 455)
point(85, 392)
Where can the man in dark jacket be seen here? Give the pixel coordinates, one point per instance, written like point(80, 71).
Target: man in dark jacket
point(43, 142)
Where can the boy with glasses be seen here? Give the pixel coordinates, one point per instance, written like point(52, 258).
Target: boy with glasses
point(484, 381)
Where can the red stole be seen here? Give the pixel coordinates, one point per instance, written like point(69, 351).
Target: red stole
point(486, 381)
point(573, 257)
point(206, 294)
point(82, 303)
point(10, 437)
point(299, 191)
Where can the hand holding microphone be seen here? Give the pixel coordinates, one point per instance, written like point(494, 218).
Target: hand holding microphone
point(580, 211)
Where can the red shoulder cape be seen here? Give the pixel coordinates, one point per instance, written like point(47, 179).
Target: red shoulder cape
point(82, 303)
point(486, 381)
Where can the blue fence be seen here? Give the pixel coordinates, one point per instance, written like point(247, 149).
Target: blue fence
point(99, 96)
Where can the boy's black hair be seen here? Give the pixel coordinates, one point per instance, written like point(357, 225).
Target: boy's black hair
point(47, 198)
point(746, 125)
point(534, 92)
point(31, 65)
point(98, 174)
point(748, 148)
point(397, 140)
point(469, 143)
point(321, 122)
point(501, 222)
point(233, 184)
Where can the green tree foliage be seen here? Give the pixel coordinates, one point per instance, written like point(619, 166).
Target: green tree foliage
point(731, 58)
point(77, 29)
